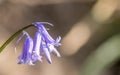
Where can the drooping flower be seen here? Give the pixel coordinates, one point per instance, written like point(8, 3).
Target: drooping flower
point(36, 48)
point(25, 57)
point(33, 50)
point(47, 42)
point(45, 51)
point(42, 46)
point(46, 35)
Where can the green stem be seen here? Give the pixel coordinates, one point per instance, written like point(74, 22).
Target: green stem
point(13, 36)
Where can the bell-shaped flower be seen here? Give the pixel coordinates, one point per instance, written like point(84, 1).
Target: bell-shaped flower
point(45, 51)
point(44, 32)
point(25, 57)
point(42, 45)
point(36, 48)
point(33, 50)
point(47, 42)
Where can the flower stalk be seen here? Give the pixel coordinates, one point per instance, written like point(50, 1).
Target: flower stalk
point(13, 36)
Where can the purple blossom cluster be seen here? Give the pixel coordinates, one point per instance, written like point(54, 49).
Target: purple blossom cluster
point(41, 46)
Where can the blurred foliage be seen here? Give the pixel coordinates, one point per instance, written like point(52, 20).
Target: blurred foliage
point(106, 54)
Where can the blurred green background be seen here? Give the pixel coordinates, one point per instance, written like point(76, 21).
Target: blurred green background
point(90, 31)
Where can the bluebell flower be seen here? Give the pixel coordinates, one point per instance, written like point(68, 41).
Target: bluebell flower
point(46, 35)
point(41, 46)
point(36, 48)
point(25, 57)
point(45, 51)
point(47, 42)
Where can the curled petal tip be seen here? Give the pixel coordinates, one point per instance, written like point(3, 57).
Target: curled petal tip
point(56, 53)
point(57, 41)
point(48, 57)
point(46, 52)
point(41, 23)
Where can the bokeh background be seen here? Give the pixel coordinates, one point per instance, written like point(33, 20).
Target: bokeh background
point(90, 31)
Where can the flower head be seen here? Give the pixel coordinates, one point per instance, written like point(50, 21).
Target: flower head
point(25, 57)
point(34, 49)
point(47, 42)
point(41, 46)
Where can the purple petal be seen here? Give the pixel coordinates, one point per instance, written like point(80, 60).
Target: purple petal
point(20, 38)
point(36, 48)
point(44, 32)
point(47, 55)
point(53, 50)
point(37, 42)
point(46, 52)
point(57, 41)
point(25, 57)
point(39, 23)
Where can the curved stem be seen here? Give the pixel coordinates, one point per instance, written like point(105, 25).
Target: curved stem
point(13, 36)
